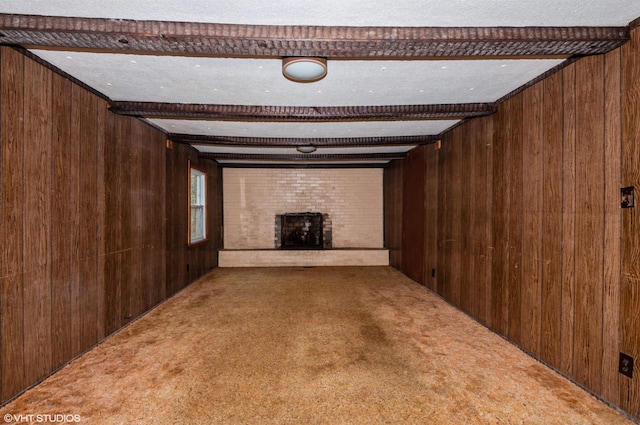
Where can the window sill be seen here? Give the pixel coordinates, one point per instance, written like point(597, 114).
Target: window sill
point(197, 242)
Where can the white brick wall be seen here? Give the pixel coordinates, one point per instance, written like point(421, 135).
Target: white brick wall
point(351, 197)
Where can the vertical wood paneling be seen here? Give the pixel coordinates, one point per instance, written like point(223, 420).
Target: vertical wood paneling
point(454, 220)
point(61, 249)
point(612, 229)
point(177, 192)
point(413, 221)
point(75, 205)
point(513, 163)
point(123, 135)
point(479, 282)
point(488, 243)
point(82, 209)
point(85, 130)
point(133, 294)
point(431, 217)
point(446, 223)
point(37, 222)
point(563, 276)
point(465, 190)
point(113, 228)
point(589, 222)
point(568, 220)
point(392, 183)
point(532, 204)
point(630, 284)
point(98, 152)
point(551, 301)
point(156, 227)
point(500, 201)
point(442, 232)
point(11, 213)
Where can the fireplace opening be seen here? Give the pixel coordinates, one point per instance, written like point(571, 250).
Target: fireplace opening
point(301, 231)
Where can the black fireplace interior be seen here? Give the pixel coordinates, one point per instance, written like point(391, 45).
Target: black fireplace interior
point(301, 231)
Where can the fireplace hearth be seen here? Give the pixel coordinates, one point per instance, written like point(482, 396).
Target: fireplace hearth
point(301, 231)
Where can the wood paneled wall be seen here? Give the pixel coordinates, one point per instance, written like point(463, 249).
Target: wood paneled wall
point(86, 201)
point(628, 296)
point(185, 264)
point(413, 223)
point(528, 235)
point(392, 193)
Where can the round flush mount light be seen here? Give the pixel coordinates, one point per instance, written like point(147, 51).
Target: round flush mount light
point(306, 149)
point(304, 70)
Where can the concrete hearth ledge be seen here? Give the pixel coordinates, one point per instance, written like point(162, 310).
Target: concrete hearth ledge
point(303, 258)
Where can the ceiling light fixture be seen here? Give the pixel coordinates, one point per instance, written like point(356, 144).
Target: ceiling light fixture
point(306, 149)
point(304, 70)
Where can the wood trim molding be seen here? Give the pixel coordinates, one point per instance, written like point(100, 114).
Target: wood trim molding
point(303, 157)
point(191, 38)
point(282, 141)
point(302, 113)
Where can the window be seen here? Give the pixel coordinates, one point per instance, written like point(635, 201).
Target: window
point(197, 205)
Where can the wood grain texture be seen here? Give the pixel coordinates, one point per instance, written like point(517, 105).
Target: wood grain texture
point(431, 217)
point(156, 227)
point(445, 220)
point(102, 121)
point(36, 226)
point(612, 230)
point(133, 294)
point(551, 287)
point(11, 213)
point(480, 218)
point(413, 215)
point(563, 278)
point(489, 242)
point(441, 231)
point(514, 167)
point(113, 226)
point(61, 249)
point(500, 232)
point(392, 186)
point(587, 361)
point(81, 191)
point(177, 197)
point(568, 220)
point(464, 190)
point(630, 280)
point(532, 217)
point(85, 130)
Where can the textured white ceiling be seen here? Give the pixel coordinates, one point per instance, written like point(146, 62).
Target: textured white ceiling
point(235, 81)
point(303, 129)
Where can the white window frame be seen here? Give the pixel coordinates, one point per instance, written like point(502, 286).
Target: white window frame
point(197, 205)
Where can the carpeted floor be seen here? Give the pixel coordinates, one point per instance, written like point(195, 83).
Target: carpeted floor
point(343, 345)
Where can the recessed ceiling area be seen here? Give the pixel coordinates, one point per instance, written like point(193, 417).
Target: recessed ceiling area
point(399, 74)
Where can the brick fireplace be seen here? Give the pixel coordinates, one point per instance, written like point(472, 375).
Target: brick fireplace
point(300, 231)
point(349, 202)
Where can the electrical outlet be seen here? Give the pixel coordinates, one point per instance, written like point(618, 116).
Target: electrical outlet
point(625, 366)
point(627, 197)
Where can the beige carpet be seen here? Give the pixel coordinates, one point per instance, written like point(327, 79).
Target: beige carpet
point(343, 345)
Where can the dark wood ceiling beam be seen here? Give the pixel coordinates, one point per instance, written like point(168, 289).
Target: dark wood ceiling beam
point(302, 113)
point(191, 38)
point(283, 141)
point(303, 157)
